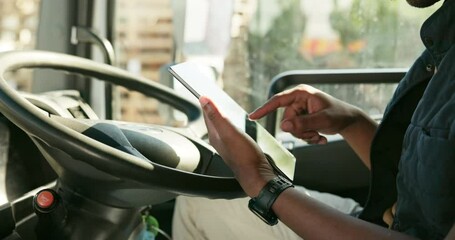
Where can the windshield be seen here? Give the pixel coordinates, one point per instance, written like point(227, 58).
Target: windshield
point(247, 43)
point(244, 44)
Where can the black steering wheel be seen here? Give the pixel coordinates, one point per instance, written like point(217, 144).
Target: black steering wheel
point(103, 171)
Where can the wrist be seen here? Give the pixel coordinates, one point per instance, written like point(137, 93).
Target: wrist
point(356, 119)
point(261, 205)
point(253, 184)
point(359, 136)
point(254, 177)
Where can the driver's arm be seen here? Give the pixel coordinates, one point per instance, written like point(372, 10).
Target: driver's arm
point(305, 216)
point(311, 219)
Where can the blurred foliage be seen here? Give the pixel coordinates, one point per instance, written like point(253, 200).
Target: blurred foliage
point(371, 34)
point(279, 44)
point(367, 33)
point(376, 24)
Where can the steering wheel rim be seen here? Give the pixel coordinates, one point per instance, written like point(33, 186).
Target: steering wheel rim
point(102, 157)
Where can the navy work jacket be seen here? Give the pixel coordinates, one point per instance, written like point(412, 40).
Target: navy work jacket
point(413, 151)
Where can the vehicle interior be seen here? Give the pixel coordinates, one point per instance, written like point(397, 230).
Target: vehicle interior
point(91, 119)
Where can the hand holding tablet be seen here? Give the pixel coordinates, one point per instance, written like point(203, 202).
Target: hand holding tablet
point(192, 77)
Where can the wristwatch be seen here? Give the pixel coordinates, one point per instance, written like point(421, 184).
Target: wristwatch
point(262, 204)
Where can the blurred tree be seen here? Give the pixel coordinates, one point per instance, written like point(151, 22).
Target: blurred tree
point(368, 33)
point(277, 49)
point(369, 30)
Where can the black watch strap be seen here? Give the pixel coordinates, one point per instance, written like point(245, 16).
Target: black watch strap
point(262, 204)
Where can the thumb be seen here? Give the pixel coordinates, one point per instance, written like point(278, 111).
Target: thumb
point(212, 115)
point(213, 118)
point(211, 112)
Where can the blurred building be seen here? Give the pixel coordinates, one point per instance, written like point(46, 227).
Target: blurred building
point(147, 35)
point(18, 25)
point(144, 43)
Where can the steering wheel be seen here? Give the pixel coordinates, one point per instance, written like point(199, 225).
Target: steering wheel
point(121, 177)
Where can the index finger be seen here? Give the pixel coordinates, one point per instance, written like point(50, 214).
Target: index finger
point(283, 99)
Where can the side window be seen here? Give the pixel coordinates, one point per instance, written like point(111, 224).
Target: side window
point(18, 26)
point(340, 34)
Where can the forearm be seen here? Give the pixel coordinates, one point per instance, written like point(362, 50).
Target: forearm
point(311, 219)
point(359, 136)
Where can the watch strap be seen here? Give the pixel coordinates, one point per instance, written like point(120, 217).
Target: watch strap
point(262, 204)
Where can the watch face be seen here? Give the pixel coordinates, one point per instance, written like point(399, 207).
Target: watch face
point(267, 216)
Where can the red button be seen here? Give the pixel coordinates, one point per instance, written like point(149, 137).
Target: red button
point(45, 199)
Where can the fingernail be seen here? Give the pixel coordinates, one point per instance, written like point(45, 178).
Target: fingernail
point(203, 101)
point(287, 126)
point(251, 113)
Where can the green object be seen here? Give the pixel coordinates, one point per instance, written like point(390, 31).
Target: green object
point(151, 224)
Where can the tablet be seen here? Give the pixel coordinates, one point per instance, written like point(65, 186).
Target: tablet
point(193, 77)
